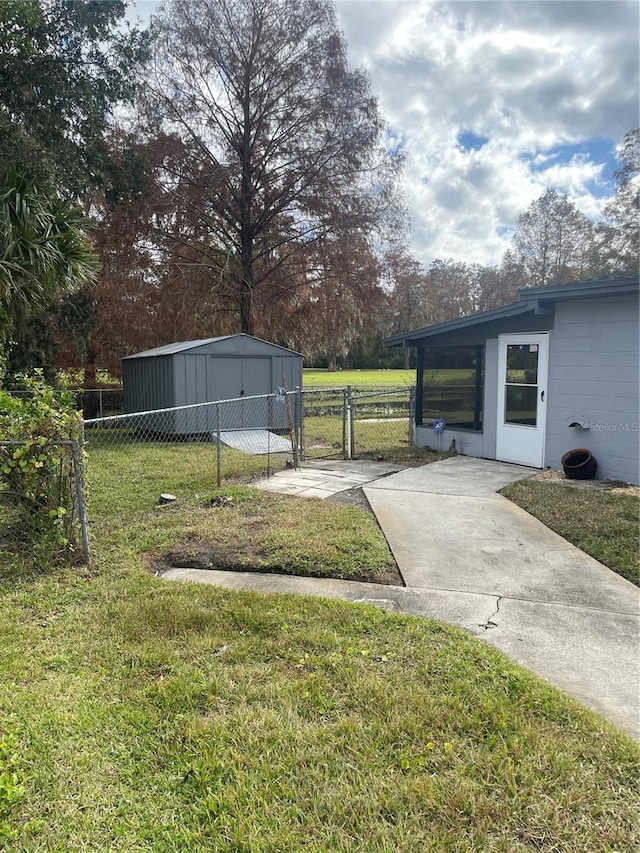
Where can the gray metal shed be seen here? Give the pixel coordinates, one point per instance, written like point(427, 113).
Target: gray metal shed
point(204, 371)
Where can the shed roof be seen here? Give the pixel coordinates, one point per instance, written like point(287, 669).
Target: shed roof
point(538, 300)
point(183, 346)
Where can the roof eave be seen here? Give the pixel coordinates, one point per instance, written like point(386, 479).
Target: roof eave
point(618, 285)
point(411, 338)
point(539, 300)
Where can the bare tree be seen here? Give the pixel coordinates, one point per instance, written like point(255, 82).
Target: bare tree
point(409, 297)
point(622, 238)
point(553, 239)
point(498, 285)
point(451, 289)
point(282, 137)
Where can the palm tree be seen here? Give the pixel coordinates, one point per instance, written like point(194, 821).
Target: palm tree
point(45, 251)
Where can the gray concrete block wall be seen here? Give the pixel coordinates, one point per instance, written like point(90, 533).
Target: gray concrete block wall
point(594, 377)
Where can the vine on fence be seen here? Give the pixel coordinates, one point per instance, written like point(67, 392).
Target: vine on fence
point(37, 471)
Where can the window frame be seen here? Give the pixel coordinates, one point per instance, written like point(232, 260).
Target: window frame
point(478, 398)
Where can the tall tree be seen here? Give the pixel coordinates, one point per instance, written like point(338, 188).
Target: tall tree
point(451, 289)
point(283, 136)
point(64, 65)
point(410, 299)
point(553, 239)
point(44, 252)
point(498, 285)
point(623, 211)
point(344, 297)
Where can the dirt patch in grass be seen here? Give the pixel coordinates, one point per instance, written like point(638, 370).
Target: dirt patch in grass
point(558, 477)
point(352, 497)
point(197, 554)
point(240, 529)
point(206, 555)
point(409, 456)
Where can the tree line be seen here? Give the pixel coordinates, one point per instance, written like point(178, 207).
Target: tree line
point(225, 170)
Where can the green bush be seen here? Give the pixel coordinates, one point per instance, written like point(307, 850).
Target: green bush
point(37, 488)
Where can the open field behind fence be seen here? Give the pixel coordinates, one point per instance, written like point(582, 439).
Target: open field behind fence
point(251, 436)
point(108, 401)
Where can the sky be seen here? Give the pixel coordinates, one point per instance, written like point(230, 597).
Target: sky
point(494, 102)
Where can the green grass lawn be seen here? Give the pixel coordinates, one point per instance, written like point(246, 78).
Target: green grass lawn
point(362, 379)
point(142, 715)
point(253, 530)
point(602, 523)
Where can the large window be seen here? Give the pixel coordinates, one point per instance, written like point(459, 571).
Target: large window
point(451, 380)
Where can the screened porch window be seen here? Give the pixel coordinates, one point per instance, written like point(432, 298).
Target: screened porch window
point(452, 384)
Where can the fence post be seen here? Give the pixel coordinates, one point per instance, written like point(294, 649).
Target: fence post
point(344, 424)
point(270, 426)
point(300, 422)
point(78, 474)
point(218, 448)
point(100, 409)
point(292, 432)
point(412, 414)
point(347, 430)
point(352, 421)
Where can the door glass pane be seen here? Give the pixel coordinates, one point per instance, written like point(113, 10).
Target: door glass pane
point(521, 403)
point(522, 364)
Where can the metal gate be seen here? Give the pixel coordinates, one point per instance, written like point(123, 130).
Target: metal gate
point(347, 422)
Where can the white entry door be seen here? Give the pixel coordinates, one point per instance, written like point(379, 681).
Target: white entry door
point(522, 404)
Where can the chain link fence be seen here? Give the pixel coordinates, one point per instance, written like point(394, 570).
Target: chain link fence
point(42, 504)
point(92, 402)
point(254, 436)
point(238, 439)
point(100, 402)
point(248, 437)
point(201, 445)
point(345, 423)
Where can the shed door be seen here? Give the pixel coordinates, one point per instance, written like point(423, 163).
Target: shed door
point(239, 377)
point(256, 377)
point(522, 404)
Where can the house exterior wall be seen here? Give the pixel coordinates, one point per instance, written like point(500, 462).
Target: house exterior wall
point(469, 442)
point(594, 378)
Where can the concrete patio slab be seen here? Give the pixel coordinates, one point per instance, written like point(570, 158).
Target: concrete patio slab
point(319, 480)
point(459, 475)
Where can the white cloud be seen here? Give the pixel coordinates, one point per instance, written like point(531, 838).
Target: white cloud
point(528, 76)
point(531, 76)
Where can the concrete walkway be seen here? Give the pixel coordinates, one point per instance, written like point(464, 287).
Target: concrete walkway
point(323, 479)
point(470, 557)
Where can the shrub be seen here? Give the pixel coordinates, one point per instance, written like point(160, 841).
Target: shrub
point(37, 485)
